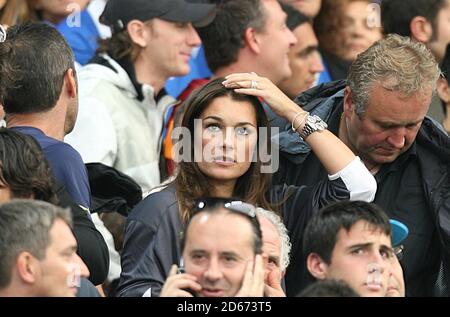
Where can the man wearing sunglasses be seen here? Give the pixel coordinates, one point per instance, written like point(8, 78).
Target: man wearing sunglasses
point(221, 251)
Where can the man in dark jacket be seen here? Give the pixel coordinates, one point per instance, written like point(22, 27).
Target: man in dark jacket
point(380, 114)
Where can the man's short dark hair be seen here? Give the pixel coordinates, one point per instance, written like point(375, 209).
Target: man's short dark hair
point(33, 62)
point(396, 15)
point(294, 17)
point(224, 37)
point(328, 288)
point(321, 232)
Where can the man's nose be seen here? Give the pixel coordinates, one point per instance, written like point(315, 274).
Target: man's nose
point(397, 138)
point(213, 272)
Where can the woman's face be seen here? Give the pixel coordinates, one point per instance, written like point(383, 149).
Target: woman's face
point(228, 135)
point(359, 31)
point(56, 10)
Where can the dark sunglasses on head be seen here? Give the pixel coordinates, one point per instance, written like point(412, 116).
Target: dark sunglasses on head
point(237, 206)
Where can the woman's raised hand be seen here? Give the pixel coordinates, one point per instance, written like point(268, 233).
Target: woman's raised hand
point(254, 85)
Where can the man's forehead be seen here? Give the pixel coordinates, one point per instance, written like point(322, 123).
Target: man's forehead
point(445, 6)
point(215, 229)
point(269, 232)
point(381, 98)
point(272, 8)
point(61, 236)
point(362, 232)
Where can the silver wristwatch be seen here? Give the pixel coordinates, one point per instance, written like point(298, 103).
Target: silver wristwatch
point(312, 124)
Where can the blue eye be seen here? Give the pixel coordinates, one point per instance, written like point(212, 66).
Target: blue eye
point(213, 128)
point(242, 131)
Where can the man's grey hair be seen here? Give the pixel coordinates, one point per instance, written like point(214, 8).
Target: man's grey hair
point(282, 233)
point(25, 226)
point(397, 63)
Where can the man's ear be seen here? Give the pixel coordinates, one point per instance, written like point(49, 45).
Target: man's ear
point(421, 29)
point(316, 266)
point(252, 40)
point(443, 90)
point(70, 81)
point(137, 31)
point(27, 267)
point(349, 106)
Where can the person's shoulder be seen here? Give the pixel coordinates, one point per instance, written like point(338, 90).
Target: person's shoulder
point(156, 205)
point(101, 71)
point(310, 98)
point(64, 151)
point(95, 79)
point(433, 140)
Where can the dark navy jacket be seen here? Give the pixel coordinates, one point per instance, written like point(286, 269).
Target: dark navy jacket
point(414, 189)
point(154, 228)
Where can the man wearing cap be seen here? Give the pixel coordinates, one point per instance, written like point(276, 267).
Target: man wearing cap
point(122, 100)
point(352, 241)
point(396, 283)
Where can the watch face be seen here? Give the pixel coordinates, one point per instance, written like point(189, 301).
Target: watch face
point(317, 123)
point(313, 123)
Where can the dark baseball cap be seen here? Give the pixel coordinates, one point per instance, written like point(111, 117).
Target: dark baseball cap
point(118, 13)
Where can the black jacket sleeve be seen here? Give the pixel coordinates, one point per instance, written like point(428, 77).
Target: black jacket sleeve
point(298, 204)
point(151, 245)
point(92, 248)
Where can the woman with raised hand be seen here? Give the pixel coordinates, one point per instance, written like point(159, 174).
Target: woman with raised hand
point(223, 150)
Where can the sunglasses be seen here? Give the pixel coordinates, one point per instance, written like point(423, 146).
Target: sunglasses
point(212, 204)
point(237, 206)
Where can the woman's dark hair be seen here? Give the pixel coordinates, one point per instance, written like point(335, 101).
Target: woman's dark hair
point(16, 12)
point(250, 187)
point(23, 167)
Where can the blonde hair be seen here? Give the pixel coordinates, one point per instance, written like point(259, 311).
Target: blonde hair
point(396, 63)
point(17, 11)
